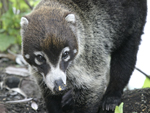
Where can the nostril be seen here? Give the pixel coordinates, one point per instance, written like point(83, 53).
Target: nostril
point(59, 85)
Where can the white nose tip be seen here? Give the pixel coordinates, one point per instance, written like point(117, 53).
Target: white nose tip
point(54, 75)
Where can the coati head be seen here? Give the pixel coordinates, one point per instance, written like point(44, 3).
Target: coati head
point(49, 44)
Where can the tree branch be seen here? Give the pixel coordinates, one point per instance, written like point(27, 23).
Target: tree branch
point(31, 7)
point(142, 72)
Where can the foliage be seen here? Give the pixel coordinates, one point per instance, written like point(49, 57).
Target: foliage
point(10, 31)
point(146, 83)
point(119, 109)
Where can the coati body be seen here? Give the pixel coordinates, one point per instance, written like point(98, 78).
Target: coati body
point(89, 46)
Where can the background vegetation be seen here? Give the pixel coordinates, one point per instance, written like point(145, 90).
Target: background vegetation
point(10, 13)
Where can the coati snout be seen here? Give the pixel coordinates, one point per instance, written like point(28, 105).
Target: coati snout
point(59, 85)
point(49, 46)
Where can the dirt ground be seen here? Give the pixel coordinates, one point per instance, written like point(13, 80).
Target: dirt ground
point(13, 102)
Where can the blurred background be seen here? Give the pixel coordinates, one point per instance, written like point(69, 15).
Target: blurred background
point(10, 13)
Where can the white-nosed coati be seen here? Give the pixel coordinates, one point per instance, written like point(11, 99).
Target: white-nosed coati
point(88, 46)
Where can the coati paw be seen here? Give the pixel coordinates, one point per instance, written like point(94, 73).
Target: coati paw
point(67, 101)
point(109, 103)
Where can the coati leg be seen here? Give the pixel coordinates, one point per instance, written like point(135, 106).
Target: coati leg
point(86, 101)
point(67, 101)
point(53, 103)
point(58, 103)
point(122, 64)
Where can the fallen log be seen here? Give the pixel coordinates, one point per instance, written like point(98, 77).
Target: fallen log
point(135, 101)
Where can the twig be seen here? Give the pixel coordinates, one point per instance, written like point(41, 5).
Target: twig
point(8, 56)
point(19, 101)
point(26, 1)
point(142, 72)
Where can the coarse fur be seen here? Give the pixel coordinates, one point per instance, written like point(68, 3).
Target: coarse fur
point(103, 38)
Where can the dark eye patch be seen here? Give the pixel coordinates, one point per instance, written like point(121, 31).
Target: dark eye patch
point(40, 58)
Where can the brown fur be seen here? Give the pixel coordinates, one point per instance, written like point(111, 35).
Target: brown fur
point(49, 28)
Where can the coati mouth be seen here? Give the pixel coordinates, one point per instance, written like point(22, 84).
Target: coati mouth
point(59, 86)
point(56, 80)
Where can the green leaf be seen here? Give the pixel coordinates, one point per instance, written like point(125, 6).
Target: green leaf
point(0, 5)
point(119, 109)
point(6, 41)
point(146, 83)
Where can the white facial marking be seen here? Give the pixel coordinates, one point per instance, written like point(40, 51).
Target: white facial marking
point(38, 53)
point(24, 21)
point(67, 59)
point(54, 74)
point(37, 62)
point(27, 56)
point(70, 18)
point(75, 51)
point(66, 49)
point(43, 76)
point(35, 68)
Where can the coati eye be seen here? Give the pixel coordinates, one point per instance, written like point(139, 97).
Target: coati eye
point(40, 58)
point(65, 54)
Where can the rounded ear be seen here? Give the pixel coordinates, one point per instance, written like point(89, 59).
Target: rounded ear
point(24, 22)
point(70, 18)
